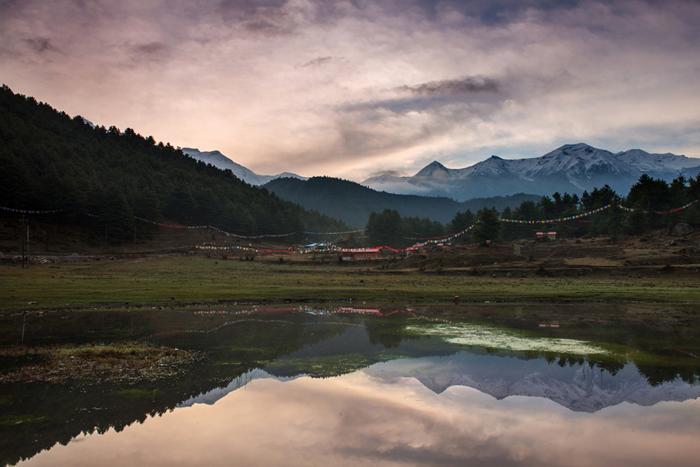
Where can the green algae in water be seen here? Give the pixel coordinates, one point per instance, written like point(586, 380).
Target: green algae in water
point(490, 337)
point(22, 419)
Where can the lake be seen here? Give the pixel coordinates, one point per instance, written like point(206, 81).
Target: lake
point(320, 385)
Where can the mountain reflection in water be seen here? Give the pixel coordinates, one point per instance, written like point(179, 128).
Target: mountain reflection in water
point(358, 419)
point(360, 390)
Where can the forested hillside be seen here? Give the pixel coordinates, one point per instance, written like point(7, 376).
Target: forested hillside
point(50, 161)
point(353, 203)
point(650, 204)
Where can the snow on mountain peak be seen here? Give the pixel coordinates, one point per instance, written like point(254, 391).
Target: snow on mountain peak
point(217, 159)
point(570, 168)
point(434, 169)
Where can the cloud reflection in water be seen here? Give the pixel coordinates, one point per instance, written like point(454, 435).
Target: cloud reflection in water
point(359, 419)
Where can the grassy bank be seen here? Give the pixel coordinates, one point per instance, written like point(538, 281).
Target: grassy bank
point(178, 280)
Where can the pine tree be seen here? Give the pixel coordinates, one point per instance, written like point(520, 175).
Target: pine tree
point(488, 227)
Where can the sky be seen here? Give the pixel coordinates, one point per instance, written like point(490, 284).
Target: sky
point(356, 88)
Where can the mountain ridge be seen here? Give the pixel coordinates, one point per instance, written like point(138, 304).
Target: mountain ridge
point(217, 159)
point(576, 388)
point(353, 203)
point(571, 168)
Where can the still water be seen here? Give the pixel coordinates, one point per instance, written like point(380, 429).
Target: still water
point(320, 386)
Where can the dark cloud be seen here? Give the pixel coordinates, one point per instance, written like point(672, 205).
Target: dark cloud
point(432, 110)
point(149, 52)
point(151, 48)
point(493, 12)
point(317, 61)
point(266, 17)
point(245, 9)
point(389, 173)
point(260, 26)
point(41, 45)
point(10, 8)
point(462, 86)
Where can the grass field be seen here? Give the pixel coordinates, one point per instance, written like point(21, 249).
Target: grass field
point(194, 279)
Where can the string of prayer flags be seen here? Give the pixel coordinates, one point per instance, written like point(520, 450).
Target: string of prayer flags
point(31, 211)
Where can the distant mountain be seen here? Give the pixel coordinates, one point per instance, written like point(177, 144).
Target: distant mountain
point(217, 159)
point(578, 388)
point(572, 168)
point(353, 203)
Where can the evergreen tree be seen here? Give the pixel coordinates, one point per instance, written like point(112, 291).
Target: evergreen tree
point(461, 221)
point(488, 227)
point(385, 228)
point(180, 204)
point(115, 216)
point(637, 221)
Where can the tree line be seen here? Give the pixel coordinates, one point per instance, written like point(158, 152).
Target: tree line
point(647, 198)
point(49, 160)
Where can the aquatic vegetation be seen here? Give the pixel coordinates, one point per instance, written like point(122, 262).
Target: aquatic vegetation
point(91, 363)
point(491, 337)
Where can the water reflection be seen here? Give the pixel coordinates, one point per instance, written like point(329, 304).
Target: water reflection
point(358, 419)
point(306, 386)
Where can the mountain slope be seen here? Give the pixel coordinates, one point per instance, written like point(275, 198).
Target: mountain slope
point(353, 203)
point(217, 159)
point(50, 161)
point(572, 168)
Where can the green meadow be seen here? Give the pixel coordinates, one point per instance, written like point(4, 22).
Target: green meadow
point(178, 280)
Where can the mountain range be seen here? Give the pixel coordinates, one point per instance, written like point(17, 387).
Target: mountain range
point(222, 162)
point(353, 203)
point(571, 168)
point(488, 367)
point(579, 388)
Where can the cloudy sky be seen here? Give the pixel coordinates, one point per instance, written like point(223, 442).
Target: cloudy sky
point(353, 88)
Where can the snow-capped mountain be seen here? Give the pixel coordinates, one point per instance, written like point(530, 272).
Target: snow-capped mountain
point(217, 159)
point(571, 168)
point(578, 388)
